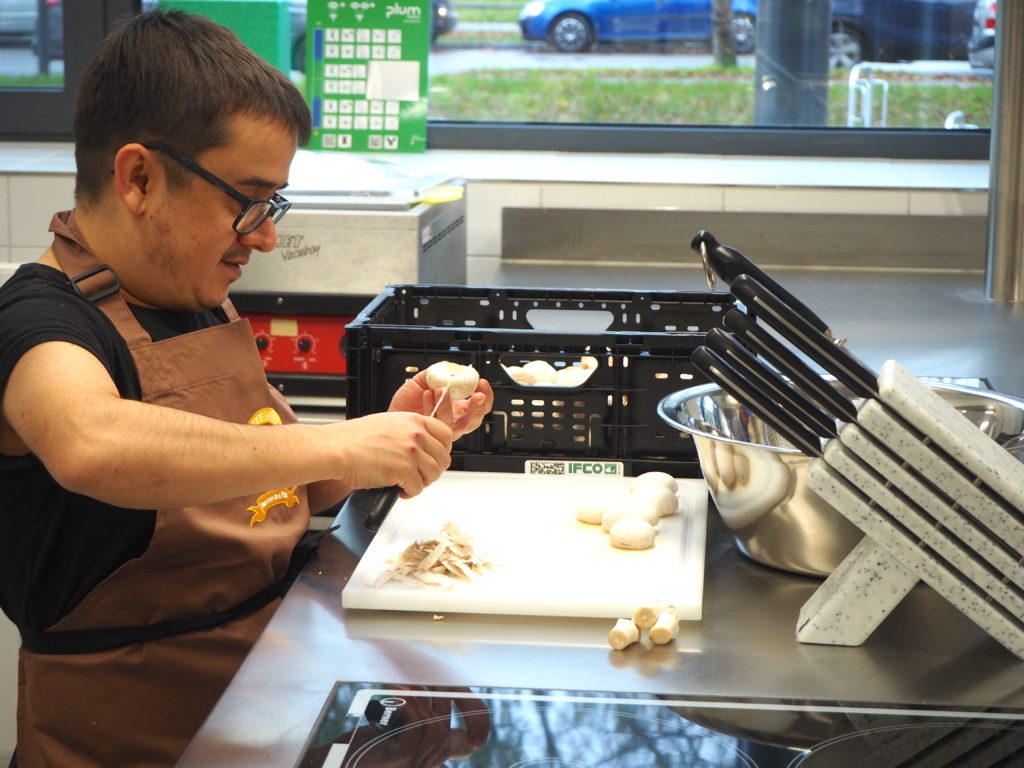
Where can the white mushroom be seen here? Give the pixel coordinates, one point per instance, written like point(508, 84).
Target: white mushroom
point(665, 628)
point(519, 376)
point(572, 376)
point(656, 478)
point(588, 363)
point(461, 380)
point(660, 498)
point(622, 634)
point(631, 533)
point(591, 506)
point(625, 508)
point(542, 371)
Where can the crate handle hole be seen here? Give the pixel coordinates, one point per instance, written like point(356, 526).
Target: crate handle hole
point(569, 319)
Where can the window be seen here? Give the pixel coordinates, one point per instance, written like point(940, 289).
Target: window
point(572, 75)
point(805, 77)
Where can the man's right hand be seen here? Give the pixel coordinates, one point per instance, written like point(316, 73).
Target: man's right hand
point(395, 448)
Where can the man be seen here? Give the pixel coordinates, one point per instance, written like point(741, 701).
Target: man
point(155, 486)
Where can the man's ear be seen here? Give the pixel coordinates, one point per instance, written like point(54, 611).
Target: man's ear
point(137, 176)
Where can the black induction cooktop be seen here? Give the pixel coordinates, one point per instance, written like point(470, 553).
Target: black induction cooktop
point(401, 726)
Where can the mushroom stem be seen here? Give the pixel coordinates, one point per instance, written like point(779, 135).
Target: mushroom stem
point(622, 634)
point(665, 628)
point(645, 616)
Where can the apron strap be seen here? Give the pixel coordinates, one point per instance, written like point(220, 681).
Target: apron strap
point(108, 638)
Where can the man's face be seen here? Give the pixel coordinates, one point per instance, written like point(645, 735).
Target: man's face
point(193, 253)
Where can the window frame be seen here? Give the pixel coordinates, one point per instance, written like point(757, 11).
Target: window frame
point(45, 114)
point(916, 143)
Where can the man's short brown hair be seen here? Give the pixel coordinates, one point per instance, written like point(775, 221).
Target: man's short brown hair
point(176, 77)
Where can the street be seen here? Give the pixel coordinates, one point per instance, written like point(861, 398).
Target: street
point(450, 59)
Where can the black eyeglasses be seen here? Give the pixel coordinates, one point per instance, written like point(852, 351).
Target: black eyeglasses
point(254, 211)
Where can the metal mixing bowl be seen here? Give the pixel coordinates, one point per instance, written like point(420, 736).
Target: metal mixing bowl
point(756, 478)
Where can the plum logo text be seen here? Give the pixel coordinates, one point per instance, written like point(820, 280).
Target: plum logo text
point(410, 12)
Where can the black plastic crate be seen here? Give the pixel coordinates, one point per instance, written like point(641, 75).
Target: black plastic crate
point(642, 341)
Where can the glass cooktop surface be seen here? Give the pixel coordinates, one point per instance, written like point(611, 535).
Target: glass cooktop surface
point(397, 726)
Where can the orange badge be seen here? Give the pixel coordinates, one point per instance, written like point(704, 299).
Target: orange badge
point(270, 499)
point(265, 416)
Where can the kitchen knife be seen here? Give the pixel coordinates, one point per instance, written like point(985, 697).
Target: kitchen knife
point(728, 264)
point(789, 364)
point(734, 383)
point(380, 501)
point(760, 374)
point(805, 336)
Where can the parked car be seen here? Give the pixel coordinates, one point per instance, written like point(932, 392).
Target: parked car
point(17, 19)
point(573, 26)
point(981, 47)
point(899, 30)
point(443, 18)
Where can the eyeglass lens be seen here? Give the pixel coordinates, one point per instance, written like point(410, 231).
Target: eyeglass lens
point(259, 211)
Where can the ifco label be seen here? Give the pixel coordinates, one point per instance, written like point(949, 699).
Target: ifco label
point(575, 468)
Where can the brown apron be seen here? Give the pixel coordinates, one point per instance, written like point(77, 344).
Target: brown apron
point(138, 704)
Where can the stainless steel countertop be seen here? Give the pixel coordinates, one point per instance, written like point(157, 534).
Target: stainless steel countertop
point(925, 653)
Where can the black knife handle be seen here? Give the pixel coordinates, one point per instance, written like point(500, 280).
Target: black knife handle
point(805, 336)
point(380, 501)
point(778, 389)
point(786, 361)
point(736, 384)
point(729, 264)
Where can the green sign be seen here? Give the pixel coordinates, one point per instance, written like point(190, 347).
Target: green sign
point(366, 74)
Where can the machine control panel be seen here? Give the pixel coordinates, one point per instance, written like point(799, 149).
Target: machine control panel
point(300, 343)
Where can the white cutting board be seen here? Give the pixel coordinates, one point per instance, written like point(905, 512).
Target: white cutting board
point(548, 563)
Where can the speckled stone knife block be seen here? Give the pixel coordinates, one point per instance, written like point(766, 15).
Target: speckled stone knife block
point(938, 500)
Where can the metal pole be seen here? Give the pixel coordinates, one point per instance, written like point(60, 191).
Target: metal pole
point(1004, 269)
point(791, 77)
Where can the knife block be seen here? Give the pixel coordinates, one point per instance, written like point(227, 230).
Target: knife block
point(881, 570)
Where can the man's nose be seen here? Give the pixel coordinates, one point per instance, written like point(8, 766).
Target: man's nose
point(263, 238)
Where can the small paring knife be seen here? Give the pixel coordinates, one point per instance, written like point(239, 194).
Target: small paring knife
point(381, 500)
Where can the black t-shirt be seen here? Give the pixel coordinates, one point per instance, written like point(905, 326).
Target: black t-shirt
point(55, 545)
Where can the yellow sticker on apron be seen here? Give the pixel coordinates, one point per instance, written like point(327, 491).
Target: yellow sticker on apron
point(270, 499)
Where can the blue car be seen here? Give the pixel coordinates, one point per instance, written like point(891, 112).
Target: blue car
point(572, 26)
point(899, 30)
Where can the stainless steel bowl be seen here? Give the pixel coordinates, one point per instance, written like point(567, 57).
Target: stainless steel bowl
point(756, 478)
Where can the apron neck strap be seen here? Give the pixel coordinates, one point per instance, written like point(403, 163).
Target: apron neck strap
point(98, 283)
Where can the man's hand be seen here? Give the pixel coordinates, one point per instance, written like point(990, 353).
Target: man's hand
point(395, 448)
point(463, 416)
